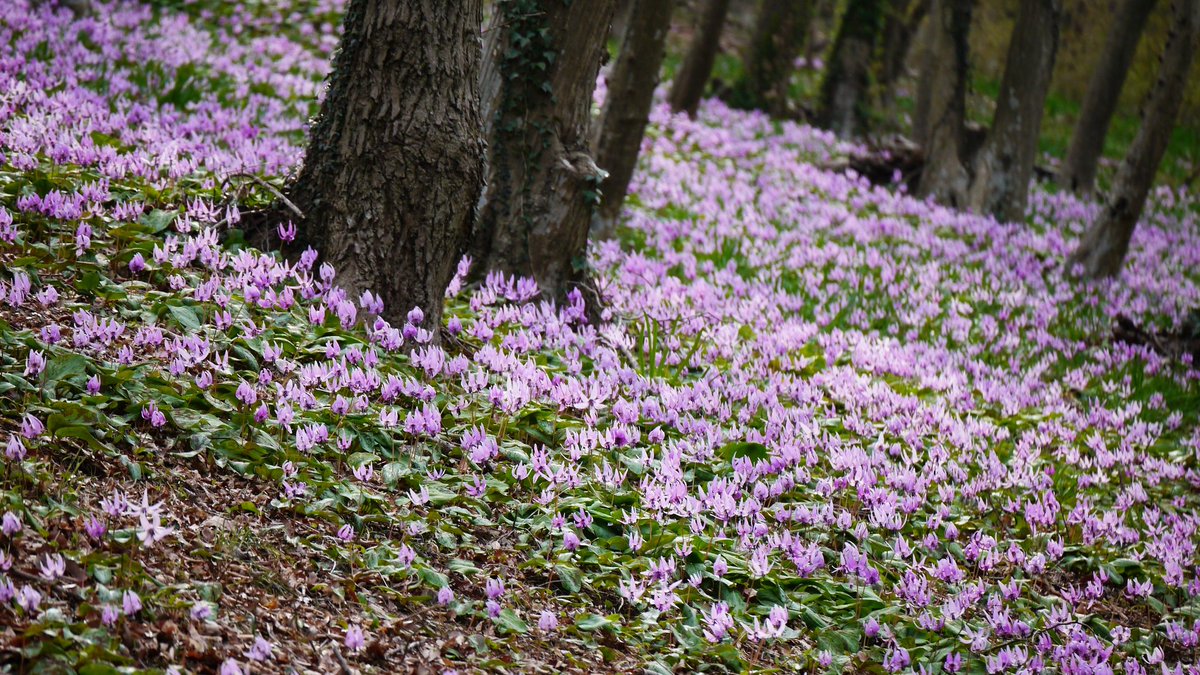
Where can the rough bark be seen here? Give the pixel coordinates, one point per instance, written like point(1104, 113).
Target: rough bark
point(842, 108)
point(542, 180)
point(1103, 92)
point(626, 111)
point(945, 175)
point(692, 78)
point(899, 26)
point(394, 163)
point(780, 31)
point(1003, 167)
point(1102, 250)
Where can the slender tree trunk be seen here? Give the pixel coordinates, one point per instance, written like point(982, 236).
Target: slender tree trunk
point(1102, 250)
point(1104, 90)
point(903, 18)
point(945, 175)
point(394, 164)
point(620, 21)
point(847, 80)
point(692, 78)
point(626, 111)
point(769, 60)
point(542, 180)
point(1003, 167)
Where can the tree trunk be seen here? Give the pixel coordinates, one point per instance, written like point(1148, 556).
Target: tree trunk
point(844, 90)
point(692, 78)
point(945, 175)
point(627, 107)
point(394, 164)
point(900, 24)
point(769, 60)
point(620, 21)
point(542, 180)
point(1003, 167)
point(1104, 90)
point(1102, 250)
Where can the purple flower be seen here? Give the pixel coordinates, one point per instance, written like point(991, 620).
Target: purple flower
point(720, 567)
point(717, 621)
point(35, 363)
point(346, 533)
point(15, 449)
point(230, 667)
point(246, 393)
point(364, 473)
point(53, 567)
point(354, 638)
point(287, 232)
point(109, 615)
point(547, 622)
point(896, 660)
point(29, 598)
point(31, 427)
point(570, 540)
point(95, 528)
point(10, 524)
point(137, 264)
point(201, 611)
point(151, 530)
point(405, 556)
point(93, 385)
point(445, 596)
point(130, 603)
point(261, 651)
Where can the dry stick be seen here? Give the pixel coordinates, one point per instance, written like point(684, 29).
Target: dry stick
point(270, 188)
point(342, 660)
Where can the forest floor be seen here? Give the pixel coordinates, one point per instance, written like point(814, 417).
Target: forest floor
point(823, 426)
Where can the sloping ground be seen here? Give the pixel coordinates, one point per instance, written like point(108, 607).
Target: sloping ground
point(825, 427)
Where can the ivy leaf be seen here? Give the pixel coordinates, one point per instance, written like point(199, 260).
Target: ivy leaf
point(510, 622)
point(593, 622)
point(186, 317)
point(569, 577)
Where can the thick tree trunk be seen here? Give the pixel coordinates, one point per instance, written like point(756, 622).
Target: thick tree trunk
point(847, 80)
point(692, 78)
point(627, 108)
point(945, 175)
point(1003, 167)
point(769, 59)
point(394, 165)
point(1102, 250)
point(1104, 90)
point(900, 24)
point(542, 180)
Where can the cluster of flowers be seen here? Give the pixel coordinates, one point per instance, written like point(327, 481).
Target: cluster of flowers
point(803, 382)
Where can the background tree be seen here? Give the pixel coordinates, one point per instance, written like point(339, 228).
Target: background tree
point(847, 80)
point(901, 20)
point(1103, 92)
point(622, 123)
point(542, 180)
point(1003, 167)
point(769, 58)
point(692, 77)
point(1102, 249)
point(944, 87)
point(394, 164)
